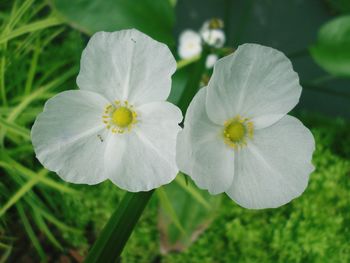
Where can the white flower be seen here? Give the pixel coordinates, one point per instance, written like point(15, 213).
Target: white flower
point(237, 137)
point(212, 36)
point(118, 126)
point(211, 60)
point(190, 44)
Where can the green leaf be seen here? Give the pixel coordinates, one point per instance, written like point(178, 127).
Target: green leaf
point(153, 17)
point(169, 209)
point(194, 210)
point(332, 50)
point(112, 240)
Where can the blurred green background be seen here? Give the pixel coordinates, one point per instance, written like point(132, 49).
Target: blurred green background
point(43, 219)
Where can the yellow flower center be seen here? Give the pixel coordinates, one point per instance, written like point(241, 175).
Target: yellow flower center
point(122, 117)
point(119, 117)
point(236, 132)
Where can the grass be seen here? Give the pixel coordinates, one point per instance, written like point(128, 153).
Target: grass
point(43, 218)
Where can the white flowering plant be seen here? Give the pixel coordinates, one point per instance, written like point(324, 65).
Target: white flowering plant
point(236, 137)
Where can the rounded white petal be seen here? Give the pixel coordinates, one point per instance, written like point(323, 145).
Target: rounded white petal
point(189, 36)
point(253, 82)
point(211, 60)
point(189, 44)
point(214, 37)
point(144, 158)
point(69, 136)
point(127, 65)
point(274, 168)
point(201, 152)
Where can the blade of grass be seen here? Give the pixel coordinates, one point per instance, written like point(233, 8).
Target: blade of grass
point(5, 255)
point(33, 96)
point(32, 68)
point(22, 191)
point(38, 92)
point(57, 222)
point(30, 232)
point(44, 228)
point(16, 129)
point(12, 164)
point(32, 27)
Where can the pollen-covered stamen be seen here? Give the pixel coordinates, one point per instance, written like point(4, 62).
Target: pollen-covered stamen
point(119, 117)
point(237, 130)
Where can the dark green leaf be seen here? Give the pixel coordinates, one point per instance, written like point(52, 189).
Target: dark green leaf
point(153, 17)
point(332, 50)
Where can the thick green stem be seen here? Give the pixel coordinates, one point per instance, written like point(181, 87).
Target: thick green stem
point(117, 231)
point(109, 246)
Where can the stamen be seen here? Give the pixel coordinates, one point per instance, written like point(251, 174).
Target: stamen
point(119, 116)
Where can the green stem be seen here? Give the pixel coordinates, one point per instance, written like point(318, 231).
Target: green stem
point(192, 85)
point(117, 231)
point(109, 245)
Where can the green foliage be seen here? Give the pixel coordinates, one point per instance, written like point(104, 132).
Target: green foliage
point(112, 15)
point(332, 50)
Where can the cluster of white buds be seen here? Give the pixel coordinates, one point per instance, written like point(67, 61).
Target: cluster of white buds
point(211, 34)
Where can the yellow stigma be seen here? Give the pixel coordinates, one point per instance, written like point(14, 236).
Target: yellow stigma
point(122, 117)
point(236, 132)
point(119, 117)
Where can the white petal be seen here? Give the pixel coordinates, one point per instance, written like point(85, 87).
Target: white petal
point(144, 159)
point(211, 60)
point(252, 82)
point(214, 37)
point(189, 36)
point(127, 65)
point(201, 152)
point(274, 168)
point(189, 50)
point(69, 136)
point(189, 44)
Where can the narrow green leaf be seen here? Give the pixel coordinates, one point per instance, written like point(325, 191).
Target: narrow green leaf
point(39, 25)
point(10, 163)
point(16, 129)
point(57, 222)
point(44, 228)
point(30, 231)
point(22, 191)
point(112, 240)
